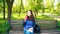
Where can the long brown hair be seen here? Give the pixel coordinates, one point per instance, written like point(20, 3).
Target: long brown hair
point(31, 17)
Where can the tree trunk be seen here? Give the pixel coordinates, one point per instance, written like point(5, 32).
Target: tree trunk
point(9, 13)
point(19, 13)
point(3, 9)
point(10, 4)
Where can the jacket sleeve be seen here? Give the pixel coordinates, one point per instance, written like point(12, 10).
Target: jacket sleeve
point(24, 23)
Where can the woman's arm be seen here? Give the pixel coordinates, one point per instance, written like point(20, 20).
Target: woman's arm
point(24, 21)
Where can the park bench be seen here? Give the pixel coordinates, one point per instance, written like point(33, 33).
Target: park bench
point(16, 24)
point(47, 24)
point(43, 24)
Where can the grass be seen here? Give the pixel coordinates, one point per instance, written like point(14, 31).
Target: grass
point(3, 23)
point(17, 17)
point(14, 16)
point(44, 17)
point(56, 14)
point(3, 26)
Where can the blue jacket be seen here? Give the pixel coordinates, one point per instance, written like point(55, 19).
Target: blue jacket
point(28, 24)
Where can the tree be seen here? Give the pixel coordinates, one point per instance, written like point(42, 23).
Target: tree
point(3, 1)
point(4, 9)
point(38, 6)
point(58, 8)
point(9, 4)
point(21, 7)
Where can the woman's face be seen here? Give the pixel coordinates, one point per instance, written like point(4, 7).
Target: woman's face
point(29, 13)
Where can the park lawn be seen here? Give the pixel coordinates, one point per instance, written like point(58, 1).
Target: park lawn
point(3, 26)
point(22, 15)
point(56, 14)
point(15, 16)
point(44, 17)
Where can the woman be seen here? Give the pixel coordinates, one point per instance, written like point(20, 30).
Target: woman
point(29, 22)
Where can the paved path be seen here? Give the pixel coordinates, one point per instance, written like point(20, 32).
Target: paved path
point(53, 16)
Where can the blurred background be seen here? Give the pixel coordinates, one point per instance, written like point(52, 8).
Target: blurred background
point(14, 10)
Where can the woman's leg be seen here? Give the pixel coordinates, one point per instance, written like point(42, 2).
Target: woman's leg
point(27, 32)
point(31, 33)
point(24, 31)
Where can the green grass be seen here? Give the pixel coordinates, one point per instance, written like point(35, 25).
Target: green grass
point(15, 16)
point(56, 14)
point(44, 17)
point(3, 26)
